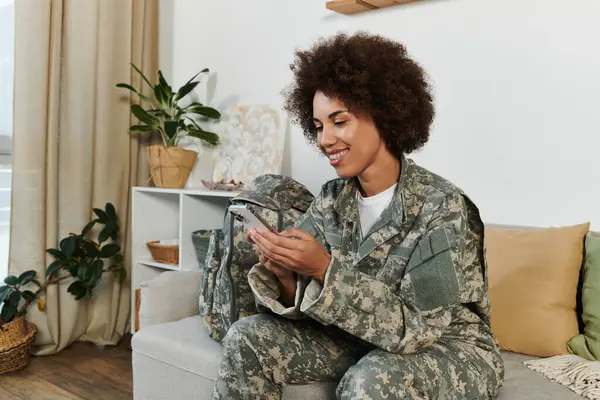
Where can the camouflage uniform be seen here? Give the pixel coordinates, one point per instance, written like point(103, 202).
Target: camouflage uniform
point(402, 313)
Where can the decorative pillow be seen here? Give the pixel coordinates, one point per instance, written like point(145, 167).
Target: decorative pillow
point(533, 279)
point(587, 345)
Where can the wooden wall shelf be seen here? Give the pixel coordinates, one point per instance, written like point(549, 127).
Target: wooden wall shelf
point(356, 6)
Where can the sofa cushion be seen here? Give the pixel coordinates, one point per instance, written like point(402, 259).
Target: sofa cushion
point(587, 345)
point(521, 383)
point(533, 280)
point(185, 344)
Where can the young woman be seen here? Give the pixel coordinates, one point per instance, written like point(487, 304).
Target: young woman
point(382, 286)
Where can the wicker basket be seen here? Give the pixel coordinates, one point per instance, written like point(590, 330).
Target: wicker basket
point(164, 253)
point(15, 339)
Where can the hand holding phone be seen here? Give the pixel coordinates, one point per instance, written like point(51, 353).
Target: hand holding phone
point(250, 218)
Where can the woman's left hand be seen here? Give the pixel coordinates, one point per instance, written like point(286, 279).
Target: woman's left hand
point(294, 248)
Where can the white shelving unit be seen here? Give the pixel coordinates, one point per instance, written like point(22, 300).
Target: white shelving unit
point(164, 214)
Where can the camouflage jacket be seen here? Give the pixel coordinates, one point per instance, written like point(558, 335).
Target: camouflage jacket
point(418, 277)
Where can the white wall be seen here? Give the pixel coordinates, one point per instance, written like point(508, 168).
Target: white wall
point(517, 85)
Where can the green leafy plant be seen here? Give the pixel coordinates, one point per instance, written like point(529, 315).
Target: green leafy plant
point(165, 115)
point(78, 258)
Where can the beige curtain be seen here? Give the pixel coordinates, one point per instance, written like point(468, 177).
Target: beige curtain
point(72, 150)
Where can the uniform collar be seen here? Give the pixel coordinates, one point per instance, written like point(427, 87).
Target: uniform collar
point(346, 204)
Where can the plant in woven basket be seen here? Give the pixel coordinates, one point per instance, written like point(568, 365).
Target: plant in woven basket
point(77, 258)
point(170, 165)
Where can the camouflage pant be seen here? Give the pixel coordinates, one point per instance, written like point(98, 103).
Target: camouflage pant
point(263, 352)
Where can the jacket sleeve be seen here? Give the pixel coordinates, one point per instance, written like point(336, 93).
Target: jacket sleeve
point(414, 312)
point(264, 283)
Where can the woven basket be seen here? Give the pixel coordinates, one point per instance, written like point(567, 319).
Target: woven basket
point(15, 339)
point(164, 253)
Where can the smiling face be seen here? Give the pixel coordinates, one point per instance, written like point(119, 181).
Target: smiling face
point(350, 141)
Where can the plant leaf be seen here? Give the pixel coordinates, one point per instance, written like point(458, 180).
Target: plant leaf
point(29, 296)
point(14, 298)
point(107, 231)
point(72, 268)
point(201, 72)
point(166, 88)
point(27, 277)
point(171, 128)
point(110, 250)
point(209, 137)
point(142, 128)
point(111, 212)
point(68, 245)
point(122, 275)
point(101, 215)
point(160, 97)
point(142, 115)
point(184, 90)
point(11, 280)
point(126, 86)
point(4, 291)
point(207, 112)
point(77, 289)
point(88, 227)
point(53, 267)
point(56, 254)
point(90, 248)
point(35, 281)
point(82, 271)
point(142, 74)
point(8, 313)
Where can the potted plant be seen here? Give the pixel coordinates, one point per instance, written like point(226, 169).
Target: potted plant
point(77, 258)
point(170, 165)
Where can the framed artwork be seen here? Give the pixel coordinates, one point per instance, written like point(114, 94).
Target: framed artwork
point(252, 143)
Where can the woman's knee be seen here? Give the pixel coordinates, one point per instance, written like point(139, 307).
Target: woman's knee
point(361, 382)
point(248, 329)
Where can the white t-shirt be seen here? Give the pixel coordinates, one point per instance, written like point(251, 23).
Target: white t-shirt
point(370, 208)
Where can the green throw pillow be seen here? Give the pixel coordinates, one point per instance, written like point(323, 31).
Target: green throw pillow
point(587, 345)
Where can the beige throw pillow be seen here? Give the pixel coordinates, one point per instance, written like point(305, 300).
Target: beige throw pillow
point(533, 276)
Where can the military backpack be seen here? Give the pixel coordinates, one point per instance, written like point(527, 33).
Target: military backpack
point(226, 257)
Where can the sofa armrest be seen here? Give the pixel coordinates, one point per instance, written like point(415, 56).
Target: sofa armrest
point(171, 296)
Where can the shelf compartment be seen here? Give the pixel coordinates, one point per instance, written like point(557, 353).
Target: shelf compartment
point(155, 264)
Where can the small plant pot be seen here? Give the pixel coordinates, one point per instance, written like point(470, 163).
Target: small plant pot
point(16, 338)
point(170, 167)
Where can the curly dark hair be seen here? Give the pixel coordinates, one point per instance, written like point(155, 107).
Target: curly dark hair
point(372, 76)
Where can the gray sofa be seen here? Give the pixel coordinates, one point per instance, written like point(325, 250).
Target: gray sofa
point(174, 358)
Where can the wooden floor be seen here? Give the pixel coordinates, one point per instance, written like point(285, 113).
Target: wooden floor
point(80, 372)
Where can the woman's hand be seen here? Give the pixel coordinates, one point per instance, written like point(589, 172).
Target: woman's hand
point(286, 277)
point(297, 250)
point(284, 274)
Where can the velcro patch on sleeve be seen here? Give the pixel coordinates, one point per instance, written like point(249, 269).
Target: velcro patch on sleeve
point(432, 271)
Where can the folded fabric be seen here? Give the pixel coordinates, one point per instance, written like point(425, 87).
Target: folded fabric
point(578, 374)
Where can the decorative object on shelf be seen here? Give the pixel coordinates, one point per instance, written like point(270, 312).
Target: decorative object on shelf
point(78, 258)
point(164, 251)
point(252, 143)
point(170, 165)
point(223, 185)
point(355, 6)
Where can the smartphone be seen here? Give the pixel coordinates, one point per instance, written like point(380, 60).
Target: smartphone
point(250, 218)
